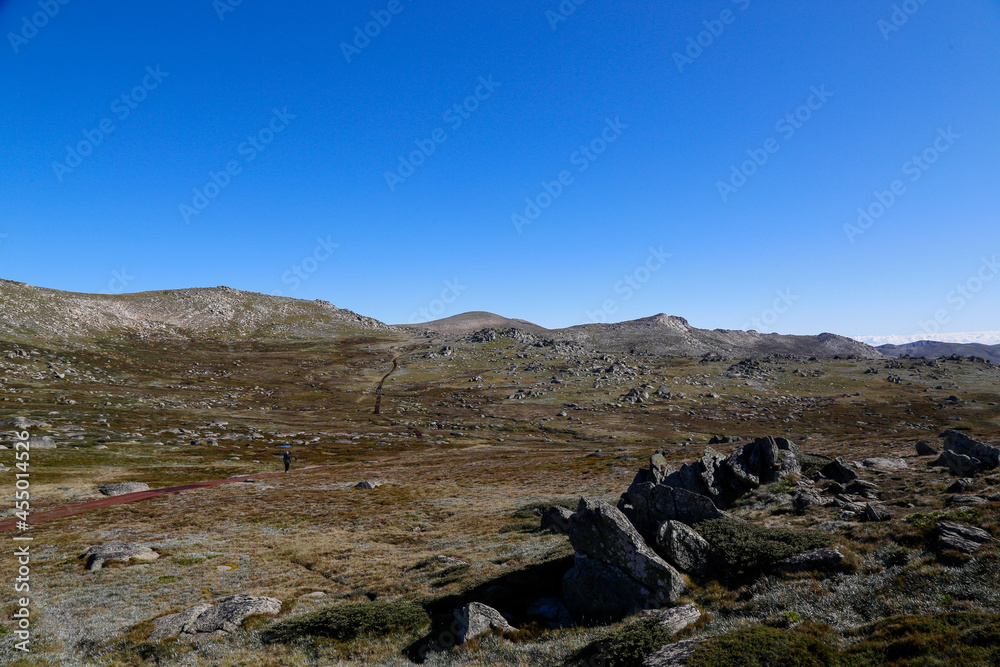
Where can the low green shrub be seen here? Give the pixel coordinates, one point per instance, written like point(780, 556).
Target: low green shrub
point(812, 462)
point(347, 621)
point(939, 639)
point(626, 646)
point(745, 549)
point(762, 646)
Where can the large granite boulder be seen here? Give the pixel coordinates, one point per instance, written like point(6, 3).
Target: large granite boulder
point(838, 471)
point(557, 519)
point(648, 505)
point(601, 533)
point(596, 592)
point(42, 442)
point(960, 443)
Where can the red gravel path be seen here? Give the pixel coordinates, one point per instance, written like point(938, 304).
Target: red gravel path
point(70, 510)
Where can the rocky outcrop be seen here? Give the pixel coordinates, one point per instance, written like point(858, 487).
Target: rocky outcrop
point(214, 620)
point(882, 462)
point(117, 552)
point(696, 492)
point(475, 619)
point(874, 513)
point(966, 457)
point(615, 571)
point(648, 505)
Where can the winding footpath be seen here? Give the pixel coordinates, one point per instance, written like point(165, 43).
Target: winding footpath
point(72, 510)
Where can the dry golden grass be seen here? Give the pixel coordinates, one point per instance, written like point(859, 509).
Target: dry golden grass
point(457, 459)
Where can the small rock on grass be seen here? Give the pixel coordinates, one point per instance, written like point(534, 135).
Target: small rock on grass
point(674, 655)
point(874, 513)
point(675, 619)
point(475, 619)
point(967, 539)
point(120, 552)
point(122, 488)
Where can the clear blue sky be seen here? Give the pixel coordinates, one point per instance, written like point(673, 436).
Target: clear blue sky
point(329, 123)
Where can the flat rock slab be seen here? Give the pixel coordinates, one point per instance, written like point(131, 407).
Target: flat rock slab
point(674, 655)
point(883, 462)
point(214, 619)
point(967, 539)
point(675, 619)
point(964, 499)
point(122, 488)
point(120, 552)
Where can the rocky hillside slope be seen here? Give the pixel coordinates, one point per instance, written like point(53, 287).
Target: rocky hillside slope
point(31, 313)
point(669, 335)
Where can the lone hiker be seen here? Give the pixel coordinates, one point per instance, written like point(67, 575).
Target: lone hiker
point(287, 458)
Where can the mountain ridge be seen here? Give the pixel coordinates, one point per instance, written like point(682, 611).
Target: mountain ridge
point(28, 312)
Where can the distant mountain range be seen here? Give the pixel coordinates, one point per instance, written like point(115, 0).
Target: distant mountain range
point(980, 337)
point(30, 313)
point(933, 349)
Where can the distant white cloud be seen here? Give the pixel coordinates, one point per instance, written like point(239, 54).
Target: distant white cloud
point(982, 337)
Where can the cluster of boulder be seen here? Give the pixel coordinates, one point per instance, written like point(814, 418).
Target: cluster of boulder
point(631, 557)
point(697, 491)
point(966, 457)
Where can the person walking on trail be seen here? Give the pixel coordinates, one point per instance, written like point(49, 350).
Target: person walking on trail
point(287, 458)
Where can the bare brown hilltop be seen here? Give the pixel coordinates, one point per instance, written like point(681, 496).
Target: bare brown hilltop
point(28, 313)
